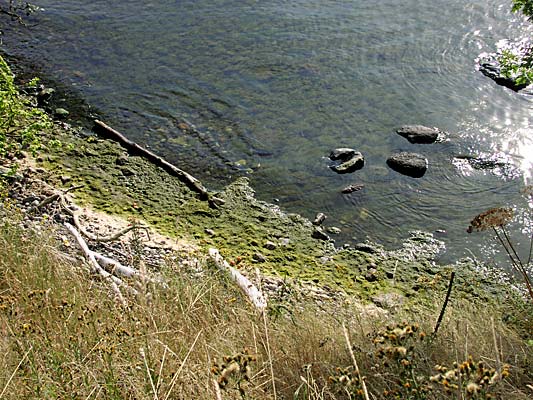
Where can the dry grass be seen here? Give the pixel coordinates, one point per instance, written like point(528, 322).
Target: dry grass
point(62, 336)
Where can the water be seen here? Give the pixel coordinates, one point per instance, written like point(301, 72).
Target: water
point(274, 86)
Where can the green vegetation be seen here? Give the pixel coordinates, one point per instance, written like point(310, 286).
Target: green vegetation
point(525, 6)
point(516, 59)
point(21, 126)
point(199, 336)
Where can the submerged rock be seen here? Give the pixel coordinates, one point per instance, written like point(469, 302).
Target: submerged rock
point(353, 188)
point(410, 164)
point(419, 134)
point(342, 154)
point(355, 162)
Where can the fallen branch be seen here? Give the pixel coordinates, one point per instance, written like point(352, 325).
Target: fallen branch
point(114, 282)
point(116, 268)
point(254, 294)
point(134, 148)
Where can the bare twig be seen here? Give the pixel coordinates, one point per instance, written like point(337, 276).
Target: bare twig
point(15, 371)
point(354, 361)
point(445, 304)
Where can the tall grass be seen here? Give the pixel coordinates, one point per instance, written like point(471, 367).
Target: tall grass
point(62, 336)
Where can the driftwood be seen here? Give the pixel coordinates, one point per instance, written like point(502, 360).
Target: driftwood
point(134, 148)
point(114, 282)
point(254, 294)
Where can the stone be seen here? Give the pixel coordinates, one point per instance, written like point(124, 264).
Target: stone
point(333, 230)
point(353, 188)
point(366, 248)
point(354, 163)
point(388, 300)
point(319, 234)
point(319, 218)
point(410, 164)
point(60, 112)
point(371, 275)
point(490, 67)
point(121, 160)
point(419, 134)
point(343, 154)
point(270, 245)
point(44, 96)
point(259, 258)
point(65, 179)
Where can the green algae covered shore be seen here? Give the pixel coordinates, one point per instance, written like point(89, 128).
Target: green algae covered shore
point(249, 233)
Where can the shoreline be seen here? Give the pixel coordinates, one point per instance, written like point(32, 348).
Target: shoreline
point(251, 233)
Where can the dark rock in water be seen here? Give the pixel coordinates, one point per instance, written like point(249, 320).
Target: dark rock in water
point(410, 164)
point(353, 188)
point(491, 68)
point(357, 161)
point(484, 163)
point(320, 217)
point(342, 154)
point(518, 53)
point(320, 235)
point(419, 134)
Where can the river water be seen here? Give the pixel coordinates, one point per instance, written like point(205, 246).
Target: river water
point(273, 86)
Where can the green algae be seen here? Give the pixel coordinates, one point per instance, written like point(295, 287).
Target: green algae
point(248, 232)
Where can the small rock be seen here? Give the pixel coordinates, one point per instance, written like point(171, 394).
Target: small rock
point(259, 258)
point(333, 230)
point(342, 154)
point(388, 300)
point(127, 171)
point(65, 179)
point(284, 241)
point(356, 162)
point(44, 96)
point(353, 188)
point(419, 134)
point(60, 112)
point(319, 218)
point(121, 160)
point(270, 245)
point(210, 232)
point(410, 164)
point(366, 248)
point(319, 234)
point(371, 275)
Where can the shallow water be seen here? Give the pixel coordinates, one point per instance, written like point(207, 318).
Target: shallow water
point(274, 86)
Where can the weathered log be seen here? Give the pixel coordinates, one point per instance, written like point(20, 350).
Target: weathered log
point(254, 294)
point(136, 149)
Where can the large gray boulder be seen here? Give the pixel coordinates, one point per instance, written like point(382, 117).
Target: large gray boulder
point(410, 164)
point(419, 134)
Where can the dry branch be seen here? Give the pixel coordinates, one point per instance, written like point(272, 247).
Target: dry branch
point(254, 294)
point(89, 255)
point(136, 149)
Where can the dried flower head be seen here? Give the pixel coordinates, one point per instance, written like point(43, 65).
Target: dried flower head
point(491, 218)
